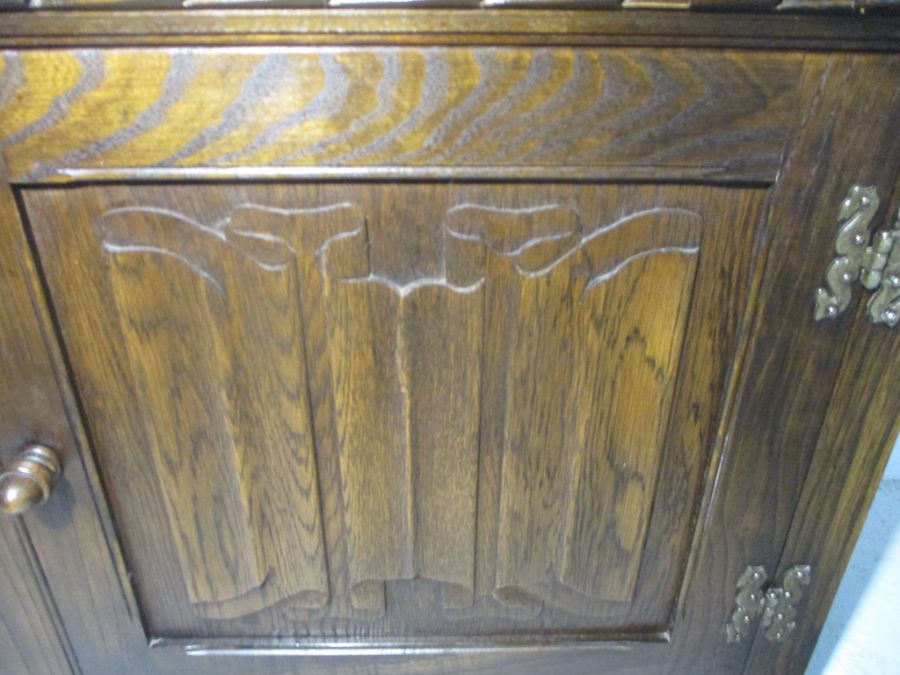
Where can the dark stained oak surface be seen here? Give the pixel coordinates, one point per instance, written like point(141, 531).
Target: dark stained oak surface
point(792, 360)
point(437, 26)
point(30, 641)
point(75, 555)
point(437, 341)
point(77, 114)
point(861, 425)
point(461, 372)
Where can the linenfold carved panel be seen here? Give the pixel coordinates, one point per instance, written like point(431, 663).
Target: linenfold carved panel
point(588, 326)
point(478, 409)
point(409, 362)
point(389, 411)
point(233, 446)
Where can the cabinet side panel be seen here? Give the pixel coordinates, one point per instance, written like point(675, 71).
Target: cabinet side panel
point(844, 137)
point(855, 442)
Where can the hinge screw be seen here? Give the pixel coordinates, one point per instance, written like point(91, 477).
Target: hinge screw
point(859, 239)
point(831, 310)
point(890, 315)
point(894, 281)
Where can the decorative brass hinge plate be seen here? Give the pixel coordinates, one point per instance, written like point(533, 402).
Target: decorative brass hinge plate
point(748, 603)
point(775, 607)
point(875, 266)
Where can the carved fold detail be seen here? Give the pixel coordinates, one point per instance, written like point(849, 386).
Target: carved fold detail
point(589, 325)
point(484, 415)
point(233, 443)
point(406, 385)
point(585, 323)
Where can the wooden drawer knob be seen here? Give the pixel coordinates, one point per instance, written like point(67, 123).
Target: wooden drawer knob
point(28, 479)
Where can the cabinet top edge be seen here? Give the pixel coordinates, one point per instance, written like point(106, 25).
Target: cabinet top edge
point(66, 27)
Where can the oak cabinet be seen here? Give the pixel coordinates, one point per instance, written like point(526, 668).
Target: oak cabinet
point(443, 358)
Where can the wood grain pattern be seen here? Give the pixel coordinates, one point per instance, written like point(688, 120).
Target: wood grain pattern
point(351, 421)
point(190, 109)
point(858, 433)
point(792, 361)
point(30, 640)
point(407, 422)
point(422, 300)
point(235, 460)
point(74, 547)
point(581, 332)
point(198, 464)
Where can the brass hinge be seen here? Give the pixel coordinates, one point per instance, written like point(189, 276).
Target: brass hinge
point(776, 608)
point(875, 266)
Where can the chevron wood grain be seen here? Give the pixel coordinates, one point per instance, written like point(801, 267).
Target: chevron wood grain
point(681, 112)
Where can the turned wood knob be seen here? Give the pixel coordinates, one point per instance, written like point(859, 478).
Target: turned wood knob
point(28, 479)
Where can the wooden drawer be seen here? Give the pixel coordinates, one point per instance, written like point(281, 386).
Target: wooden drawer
point(429, 358)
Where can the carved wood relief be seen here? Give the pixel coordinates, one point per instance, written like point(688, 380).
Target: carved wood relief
point(217, 355)
point(406, 358)
point(335, 391)
point(591, 335)
point(408, 361)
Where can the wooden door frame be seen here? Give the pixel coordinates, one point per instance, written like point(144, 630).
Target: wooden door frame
point(793, 361)
point(856, 439)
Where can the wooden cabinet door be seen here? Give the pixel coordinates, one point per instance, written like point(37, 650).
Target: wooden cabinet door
point(415, 411)
point(516, 424)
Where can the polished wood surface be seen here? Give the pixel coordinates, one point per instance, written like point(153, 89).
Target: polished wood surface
point(395, 324)
point(858, 433)
point(29, 632)
point(693, 113)
point(280, 27)
point(467, 344)
point(792, 360)
point(73, 542)
point(807, 6)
